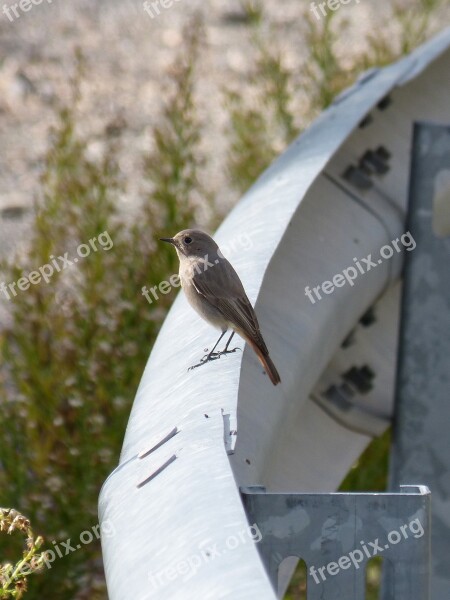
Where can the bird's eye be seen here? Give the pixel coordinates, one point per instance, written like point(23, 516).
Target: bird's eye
point(187, 240)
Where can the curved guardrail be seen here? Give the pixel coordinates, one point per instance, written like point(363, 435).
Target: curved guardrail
point(328, 217)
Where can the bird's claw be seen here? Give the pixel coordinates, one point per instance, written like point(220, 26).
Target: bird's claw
point(229, 351)
point(205, 359)
point(212, 356)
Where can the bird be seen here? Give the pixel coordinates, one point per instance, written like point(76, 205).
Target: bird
point(214, 290)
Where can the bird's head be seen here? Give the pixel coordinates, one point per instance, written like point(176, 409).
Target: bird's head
point(193, 243)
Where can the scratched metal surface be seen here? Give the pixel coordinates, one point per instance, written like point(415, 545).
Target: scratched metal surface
point(299, 224)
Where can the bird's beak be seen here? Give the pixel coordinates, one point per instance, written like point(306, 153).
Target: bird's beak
point(170, 240)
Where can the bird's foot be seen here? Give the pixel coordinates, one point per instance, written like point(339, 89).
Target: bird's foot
point(229, 351)
point(213, 356)
point(205, 359)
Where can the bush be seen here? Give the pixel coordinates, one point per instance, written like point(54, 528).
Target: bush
point(64, 408)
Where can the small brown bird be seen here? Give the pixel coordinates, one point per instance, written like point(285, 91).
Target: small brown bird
point(214, 290)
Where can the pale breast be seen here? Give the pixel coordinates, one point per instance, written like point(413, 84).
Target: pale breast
point(199, 303)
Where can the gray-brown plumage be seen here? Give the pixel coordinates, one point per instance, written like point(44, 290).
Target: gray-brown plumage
point(215, 291)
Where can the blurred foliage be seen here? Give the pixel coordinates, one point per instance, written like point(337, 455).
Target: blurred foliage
point(264, 125)
point(77, 346)
point(174, 165)
point(259, 131)
point(64, 409)
point(414, 22)
point(369, 473)
point(252, 10)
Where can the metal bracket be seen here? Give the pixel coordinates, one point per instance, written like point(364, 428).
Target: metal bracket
point(336, 534)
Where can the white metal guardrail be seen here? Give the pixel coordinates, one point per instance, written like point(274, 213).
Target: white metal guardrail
point(337, 194)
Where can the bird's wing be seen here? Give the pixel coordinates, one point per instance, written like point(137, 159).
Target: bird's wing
point(220, 285)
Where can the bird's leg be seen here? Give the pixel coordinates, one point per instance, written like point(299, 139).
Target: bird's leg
point(225, 350)
point(211, 355)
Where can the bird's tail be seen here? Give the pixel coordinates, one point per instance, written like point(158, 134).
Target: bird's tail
point(266, 362)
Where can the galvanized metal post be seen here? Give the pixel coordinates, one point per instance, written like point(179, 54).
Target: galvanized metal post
point(421, 437)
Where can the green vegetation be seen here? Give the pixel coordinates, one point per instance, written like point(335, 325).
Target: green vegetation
point(77, 346)
point(13, 577)
point(258, 132)
point(64, 408)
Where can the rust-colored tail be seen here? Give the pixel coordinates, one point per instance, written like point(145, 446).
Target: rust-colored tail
point(266, 362)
